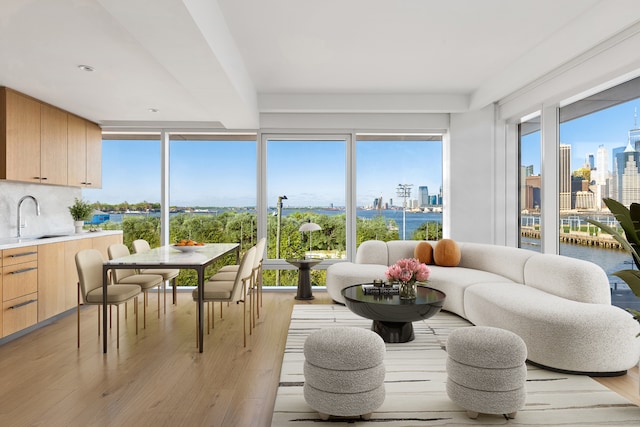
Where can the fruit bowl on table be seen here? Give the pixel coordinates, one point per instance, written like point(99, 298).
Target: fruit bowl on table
point(188, 247)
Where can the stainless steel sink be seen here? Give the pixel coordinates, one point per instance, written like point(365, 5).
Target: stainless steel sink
point(51, 236)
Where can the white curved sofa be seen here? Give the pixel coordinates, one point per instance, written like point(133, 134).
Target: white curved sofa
point(560, 306)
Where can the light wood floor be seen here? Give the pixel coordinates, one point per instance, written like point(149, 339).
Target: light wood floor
point(158, 378)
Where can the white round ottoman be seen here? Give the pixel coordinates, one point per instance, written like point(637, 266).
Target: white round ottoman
point(344, 372)
point(486, 370)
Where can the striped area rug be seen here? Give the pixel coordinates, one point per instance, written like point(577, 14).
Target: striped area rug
point(416, 379)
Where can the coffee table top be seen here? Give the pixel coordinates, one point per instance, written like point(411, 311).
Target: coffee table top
point(390, 308)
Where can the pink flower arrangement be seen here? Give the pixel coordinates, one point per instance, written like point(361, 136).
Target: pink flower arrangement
point(408, 269)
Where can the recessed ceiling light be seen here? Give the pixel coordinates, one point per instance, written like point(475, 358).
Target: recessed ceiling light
point(86, 68)
point(153, 110)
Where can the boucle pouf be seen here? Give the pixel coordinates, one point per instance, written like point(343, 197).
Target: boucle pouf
point(486, 370)
point(344, 372)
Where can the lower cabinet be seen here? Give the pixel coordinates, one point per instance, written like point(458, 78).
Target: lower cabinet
point(19, 289)
point(41, 281)
point(51, 280)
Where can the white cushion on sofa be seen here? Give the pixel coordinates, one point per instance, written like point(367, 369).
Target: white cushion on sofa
point(568, 277)
point(400, 249)
point(372, 252)
point(454, 281)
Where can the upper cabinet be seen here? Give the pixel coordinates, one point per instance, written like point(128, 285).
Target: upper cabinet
point(20, 137)
point(40, 143)
point(53, 145)
point(84, 153)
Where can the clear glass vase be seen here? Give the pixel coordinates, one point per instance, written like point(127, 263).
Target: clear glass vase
point(408, 290)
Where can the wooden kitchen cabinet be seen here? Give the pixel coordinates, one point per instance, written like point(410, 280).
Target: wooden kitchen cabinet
point(40, 281)
point(19, 288)
point(40, 143)
point(84, 153)
point(19, 137)
point(53, 145)
point(51, 280)
point(1, 332)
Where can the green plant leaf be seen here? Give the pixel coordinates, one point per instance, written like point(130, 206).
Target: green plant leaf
point(631, 278)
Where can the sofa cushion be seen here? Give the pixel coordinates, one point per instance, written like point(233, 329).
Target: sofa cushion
point(400, 249)
point(446, 253)
point(454, 281)
point(372, 252)
point(567, 277)
point(424, 252)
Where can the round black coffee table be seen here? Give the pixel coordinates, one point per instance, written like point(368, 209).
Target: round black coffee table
point(391, 315)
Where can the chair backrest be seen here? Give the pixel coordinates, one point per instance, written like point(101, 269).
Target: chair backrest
point(140, 246)
point(119, 250)
point(258, 259)
point(260, 246)
point(89, 265)
point(245, 271)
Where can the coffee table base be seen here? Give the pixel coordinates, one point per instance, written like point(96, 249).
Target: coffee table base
point(393, 332)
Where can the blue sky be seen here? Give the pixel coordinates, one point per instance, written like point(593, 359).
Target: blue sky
point(608, 127)
point(224, 173)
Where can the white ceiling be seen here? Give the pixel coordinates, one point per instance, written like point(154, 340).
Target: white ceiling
point(223, 62)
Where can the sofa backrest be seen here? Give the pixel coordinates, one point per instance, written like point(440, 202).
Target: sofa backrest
point(400, 249)
point(503, 260)
point(567, 277)
point(372, 252)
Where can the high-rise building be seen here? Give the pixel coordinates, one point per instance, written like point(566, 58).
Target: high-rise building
point(590, 162)
point(602, 171)
point(630, 176)
point(423, 196)
point(565, 177)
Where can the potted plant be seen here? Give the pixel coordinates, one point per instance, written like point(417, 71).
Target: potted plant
point(80, 212)
point(629, 219)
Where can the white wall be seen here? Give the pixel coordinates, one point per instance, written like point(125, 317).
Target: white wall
point(54, 213)
point(470, 194)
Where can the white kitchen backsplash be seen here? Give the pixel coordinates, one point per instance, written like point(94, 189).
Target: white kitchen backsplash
point(54, 212)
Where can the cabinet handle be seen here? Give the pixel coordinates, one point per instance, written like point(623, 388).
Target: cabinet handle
point(44, 179)
point(24, 270)
point(36, 177)
point(23, 254)
point(22, 304)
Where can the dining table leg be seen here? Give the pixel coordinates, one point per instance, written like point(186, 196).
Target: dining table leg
point(105, 279)
point(201, 308)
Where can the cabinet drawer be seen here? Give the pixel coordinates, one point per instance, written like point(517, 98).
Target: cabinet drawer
point(19, 313)
point(19, 255)
point(19, 280)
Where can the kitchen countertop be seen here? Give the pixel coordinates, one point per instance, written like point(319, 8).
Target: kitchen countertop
point(17, 242)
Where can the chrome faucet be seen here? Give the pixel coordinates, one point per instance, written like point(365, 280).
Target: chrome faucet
point(20, 211)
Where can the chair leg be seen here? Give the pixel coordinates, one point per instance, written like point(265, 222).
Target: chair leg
point(78, 315)
point(99, 318)
point(118, 326)
point(159, 299)
point(135, 311)
point(144, 309)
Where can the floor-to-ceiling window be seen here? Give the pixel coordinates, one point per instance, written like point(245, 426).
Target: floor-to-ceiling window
point(529, 182)
point(130, 195)
point(399, 187)
point(599, 157)
point(212, 189)
point(305, 190)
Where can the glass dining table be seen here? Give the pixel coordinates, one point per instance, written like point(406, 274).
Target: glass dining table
point(167, 257)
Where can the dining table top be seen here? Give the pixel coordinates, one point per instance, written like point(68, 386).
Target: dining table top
point(169, 256)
